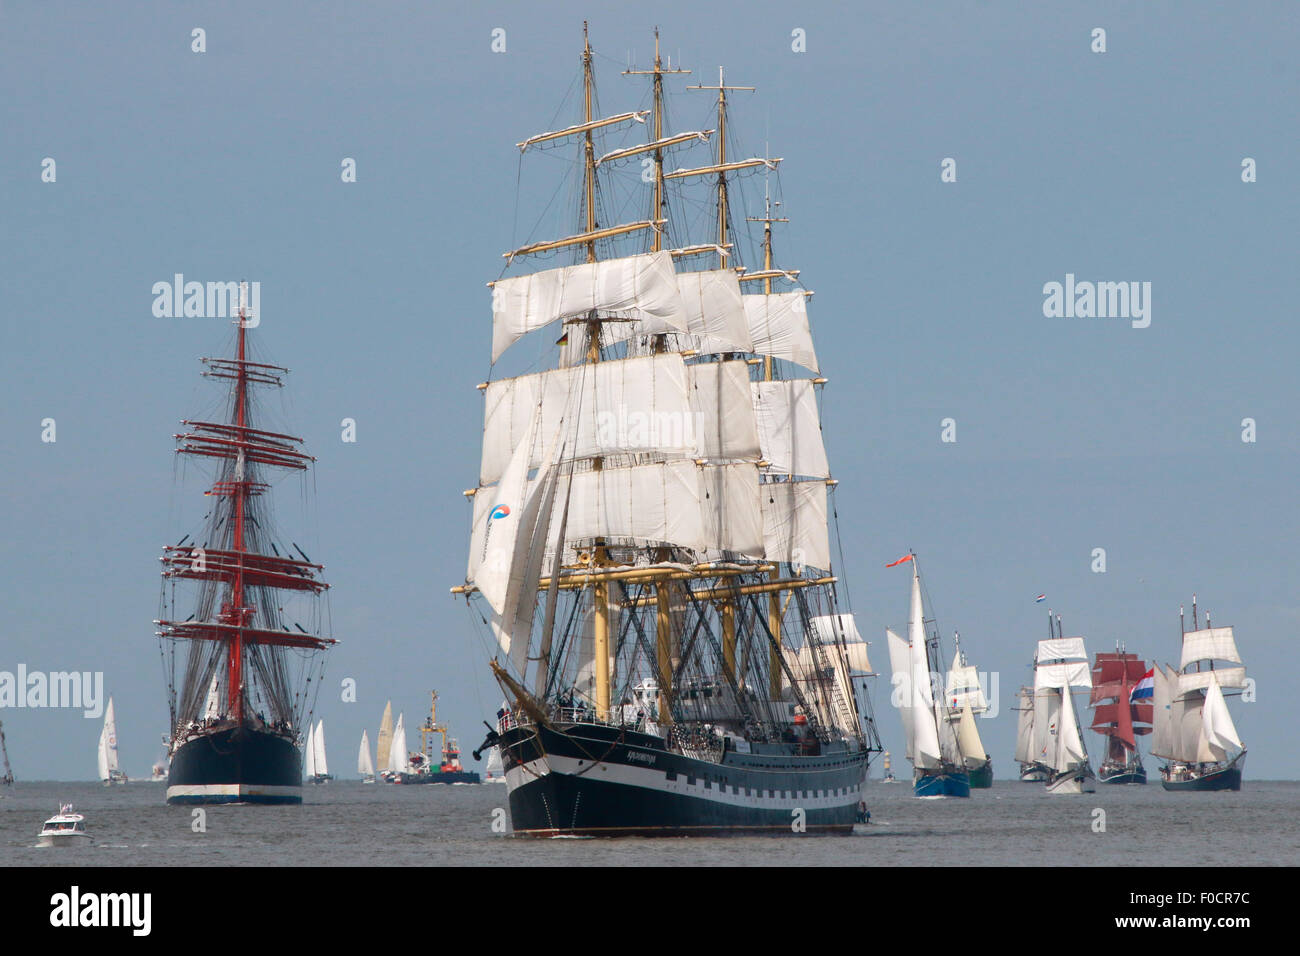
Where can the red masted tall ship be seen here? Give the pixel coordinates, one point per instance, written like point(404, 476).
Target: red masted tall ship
point(240, 682)
point(1118, 717)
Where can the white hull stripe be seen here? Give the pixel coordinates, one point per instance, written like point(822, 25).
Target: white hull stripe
point(231, 790)
point(649, 779)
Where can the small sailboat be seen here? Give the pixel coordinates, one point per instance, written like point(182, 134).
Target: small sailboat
point(364, 765)
point(384, 742)
point(7, 780)
point(1193, 729)
point(65, 828)
point(109, 772)
point(317, 766)
point(938, 768)
point(1119, 715)
point(399, 761)
point(965, 699)
point(495, 771)
point(1031, 771)
point(1060, 666)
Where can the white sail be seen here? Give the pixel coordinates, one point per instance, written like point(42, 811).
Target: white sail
point(794, 523)
point(309, 753)
point(318, 747)
point(962, 686)
point(929, 754)
point(778, 326)
point(385, 742)
point(621, 406)
point(1062, 662)
point(949, 746)
point(789, 428)
point(900, 663)
point(212, 706)
point(1025, 727)
point(642, 287)
point(723, 421)
point(1162, 716)
point(1209, 644)
point(108, 744)
point(495, 768)
point(715, 311)
point(398, 757)
point(1231, 677)
point(497, 541)
point(364, 765)
point(1047, 715)
point(1218, 730)
point(968, 738)
point(840, 631)
point(1070, 751)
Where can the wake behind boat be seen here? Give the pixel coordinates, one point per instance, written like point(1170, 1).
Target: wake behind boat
point(686, 671)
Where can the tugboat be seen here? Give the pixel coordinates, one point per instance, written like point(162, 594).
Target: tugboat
point(65, 828)
point(449, 769)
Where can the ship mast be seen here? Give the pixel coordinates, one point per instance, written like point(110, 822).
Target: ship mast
point(657, 204)
point(722, 89)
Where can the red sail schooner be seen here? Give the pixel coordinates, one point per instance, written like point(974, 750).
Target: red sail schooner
point(1117, 717)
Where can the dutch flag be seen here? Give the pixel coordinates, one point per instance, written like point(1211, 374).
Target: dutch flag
point(1145, 688)
point(1040, 599)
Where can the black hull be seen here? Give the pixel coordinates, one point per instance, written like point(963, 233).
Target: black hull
point(1229, 779)
point(596, 780)
point(981, 778)
point(235, 765)
point(1136, 774)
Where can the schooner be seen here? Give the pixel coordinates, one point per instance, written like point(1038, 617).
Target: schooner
point(1192, 727)
point(1061, 667)
point(650, 553)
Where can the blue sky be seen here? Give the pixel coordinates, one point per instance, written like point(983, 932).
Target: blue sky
point(1072, 434)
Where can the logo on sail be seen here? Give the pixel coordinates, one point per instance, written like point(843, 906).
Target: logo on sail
point(500, 511)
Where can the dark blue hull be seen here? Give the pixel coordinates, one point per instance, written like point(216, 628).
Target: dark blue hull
point(942, 785)
point(235, 765)
point(596, 780)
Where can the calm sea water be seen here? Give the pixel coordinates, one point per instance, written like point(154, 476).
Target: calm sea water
point(347, 823)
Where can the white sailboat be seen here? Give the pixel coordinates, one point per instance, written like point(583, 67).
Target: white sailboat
point(965, 699)
point(1192, 727)
point(364, 765)
point(309, 754)
point(1060, 666)
point(398, 757)
point(938, 768)
point(317, 765)
point(109, 771)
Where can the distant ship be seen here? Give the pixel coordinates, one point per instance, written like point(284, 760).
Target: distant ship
point(365, 766)
point(1031, 771)
point(109, 771)
point(1193, 729)
point(448, 769)
point(1061, 666)
point(649, 587)
point(966, 700)
point(238, 675)
point(939, 767)
point(7, 780)
point(1119, 717)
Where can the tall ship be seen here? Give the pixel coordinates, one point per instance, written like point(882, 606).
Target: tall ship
point(110, 771)
point(240, 679)
point(1060, 668)
point(1031, 771)
point(672, 648)
point(966, 700)
point(1193, 729)
point(939, 768)
point(1121, 704)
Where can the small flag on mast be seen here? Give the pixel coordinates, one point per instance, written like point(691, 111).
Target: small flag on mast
point(1040, 599)
point(899, 561)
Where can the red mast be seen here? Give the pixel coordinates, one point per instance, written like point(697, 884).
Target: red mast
point(241, 567)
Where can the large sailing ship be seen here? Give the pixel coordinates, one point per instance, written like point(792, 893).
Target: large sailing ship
point(965, 699)
point(239, 679)
point(1118, 716)
point(1193, 729)
point(1061, 667)
point(939, 767)
point(660, 591)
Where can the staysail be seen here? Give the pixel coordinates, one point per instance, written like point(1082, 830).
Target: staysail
point(398, 757)
point(318, 748)
point(364, 765)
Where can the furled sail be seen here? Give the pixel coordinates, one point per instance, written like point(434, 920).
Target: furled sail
point(640, 287)
point(789, 428)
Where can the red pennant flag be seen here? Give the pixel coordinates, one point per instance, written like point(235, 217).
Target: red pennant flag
point(899, 561)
